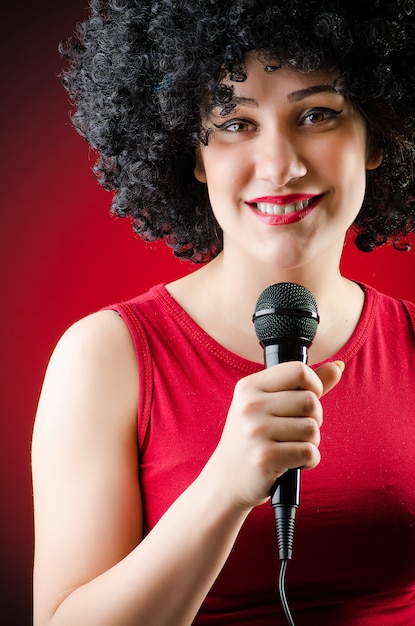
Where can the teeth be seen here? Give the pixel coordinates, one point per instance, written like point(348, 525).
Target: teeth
point(290, 208)
point(278, 209)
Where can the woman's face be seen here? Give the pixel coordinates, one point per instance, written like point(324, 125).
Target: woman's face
point(286, 168)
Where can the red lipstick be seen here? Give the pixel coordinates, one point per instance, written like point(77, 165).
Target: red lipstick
point(282, 218)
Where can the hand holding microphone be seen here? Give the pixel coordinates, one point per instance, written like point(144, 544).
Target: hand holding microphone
point(286, 320)
point(272, 424)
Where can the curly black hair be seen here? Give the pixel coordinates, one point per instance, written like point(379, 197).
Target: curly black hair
point(139, 70)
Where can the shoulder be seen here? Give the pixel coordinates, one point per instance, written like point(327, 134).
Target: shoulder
point(100, 340)
point(409, 308)
point(398, 307)
point(392, 316)
point(92, 375)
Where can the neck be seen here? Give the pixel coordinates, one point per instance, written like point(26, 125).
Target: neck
point(221, 297)
point(324, 280)
point(339, 301)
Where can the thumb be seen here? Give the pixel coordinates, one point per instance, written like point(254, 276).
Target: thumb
point(330, 374)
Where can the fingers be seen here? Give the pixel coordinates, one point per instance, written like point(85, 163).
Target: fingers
point(296, 375)
point(273, 425)
point(330, 374)
point(286, 376)
point(299, 437)
point(291, 390)
point(304, 455)
point(295, 403)
point(294, 429)
point(291, 408)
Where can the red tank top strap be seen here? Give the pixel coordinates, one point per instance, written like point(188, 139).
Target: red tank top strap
point(144, 363)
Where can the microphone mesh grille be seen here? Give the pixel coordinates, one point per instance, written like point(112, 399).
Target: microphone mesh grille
point(296, 321)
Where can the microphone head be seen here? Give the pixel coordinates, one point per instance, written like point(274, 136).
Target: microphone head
point(285, 311)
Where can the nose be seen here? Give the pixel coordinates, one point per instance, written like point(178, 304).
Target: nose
point(278, 158)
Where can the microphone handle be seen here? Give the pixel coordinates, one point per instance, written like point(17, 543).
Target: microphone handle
point(285, 493)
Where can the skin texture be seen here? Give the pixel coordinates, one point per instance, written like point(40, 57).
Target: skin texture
point(92, 563)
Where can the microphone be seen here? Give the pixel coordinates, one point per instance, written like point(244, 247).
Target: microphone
point(285, 320)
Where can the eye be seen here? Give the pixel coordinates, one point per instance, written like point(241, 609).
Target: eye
point(236, 126)
point(319, 116)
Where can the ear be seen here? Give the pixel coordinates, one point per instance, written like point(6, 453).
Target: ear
point(374, 159)
point(199, 170)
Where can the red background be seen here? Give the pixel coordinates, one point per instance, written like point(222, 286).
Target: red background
point(64, 256)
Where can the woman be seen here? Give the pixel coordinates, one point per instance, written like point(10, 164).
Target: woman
point(252, 137)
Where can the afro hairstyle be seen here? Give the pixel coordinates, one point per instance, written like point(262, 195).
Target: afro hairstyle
point(138, 70)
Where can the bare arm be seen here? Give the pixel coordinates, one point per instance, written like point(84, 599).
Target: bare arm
point(91, 565)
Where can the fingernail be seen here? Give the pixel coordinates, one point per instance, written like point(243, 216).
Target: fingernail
point(340, 365)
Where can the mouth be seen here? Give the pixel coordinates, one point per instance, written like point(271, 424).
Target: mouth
point(284, 206)
point(284, 210)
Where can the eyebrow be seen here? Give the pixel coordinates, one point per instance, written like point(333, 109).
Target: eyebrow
point(309, 91)
point(296, 96)
point(244, 100)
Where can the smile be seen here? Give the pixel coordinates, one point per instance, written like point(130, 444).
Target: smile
point(284, 210)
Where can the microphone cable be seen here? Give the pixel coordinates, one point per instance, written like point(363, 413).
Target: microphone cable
point(285, 498)
point(283, 595)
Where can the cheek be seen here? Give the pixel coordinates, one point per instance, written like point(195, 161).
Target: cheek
point(354, 171)
point(344, 166)
point(224, 174)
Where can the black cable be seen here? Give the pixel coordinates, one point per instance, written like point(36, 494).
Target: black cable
point(281, 589)
point(285, 519)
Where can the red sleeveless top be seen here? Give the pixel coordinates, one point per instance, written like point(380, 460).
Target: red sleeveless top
point(354, 543)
